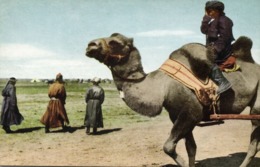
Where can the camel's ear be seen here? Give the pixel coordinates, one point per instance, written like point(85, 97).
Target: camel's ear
point(131, 41)
point(115, 34)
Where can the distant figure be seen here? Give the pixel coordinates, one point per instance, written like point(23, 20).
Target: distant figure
point(55, 115)
point(218, 30)
point(10, 114)
point(94, 98)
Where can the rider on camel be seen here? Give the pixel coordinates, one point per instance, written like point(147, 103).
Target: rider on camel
point(218, 30)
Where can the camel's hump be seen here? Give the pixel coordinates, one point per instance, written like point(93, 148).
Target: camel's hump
point(242, 49)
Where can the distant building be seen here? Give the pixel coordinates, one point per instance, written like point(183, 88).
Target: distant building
point(35, 81)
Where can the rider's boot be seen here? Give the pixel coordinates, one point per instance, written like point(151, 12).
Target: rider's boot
point(217, 76)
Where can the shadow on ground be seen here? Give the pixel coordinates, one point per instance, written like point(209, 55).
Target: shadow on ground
point(27, 130)
point(70, 129)
point(232, 160)
point(106, 131)
point(228, 161)
point(169, 165)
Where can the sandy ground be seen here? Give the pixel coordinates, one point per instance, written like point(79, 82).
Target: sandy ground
point(139, 144)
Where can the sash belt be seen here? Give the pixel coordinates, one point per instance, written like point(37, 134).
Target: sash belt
point(53, 98)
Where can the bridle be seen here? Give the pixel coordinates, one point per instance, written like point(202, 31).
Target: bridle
point(108, 54)
point(119, 58)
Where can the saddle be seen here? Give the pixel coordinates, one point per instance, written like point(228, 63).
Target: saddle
point(205, 90)
point(229, 65)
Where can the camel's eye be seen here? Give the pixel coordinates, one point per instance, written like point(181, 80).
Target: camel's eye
point(115, 44)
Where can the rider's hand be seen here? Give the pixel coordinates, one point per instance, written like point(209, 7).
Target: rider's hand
point(206, 13)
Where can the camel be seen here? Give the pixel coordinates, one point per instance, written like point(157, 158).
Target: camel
point(149, 93)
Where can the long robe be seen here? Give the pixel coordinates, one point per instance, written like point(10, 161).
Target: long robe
point(55, 115)
point(94, 98)
point(10, 114)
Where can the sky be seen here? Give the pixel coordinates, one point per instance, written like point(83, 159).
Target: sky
point(40, 38)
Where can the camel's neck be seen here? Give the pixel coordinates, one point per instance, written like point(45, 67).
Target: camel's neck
point(132, 71)
point(131, 80)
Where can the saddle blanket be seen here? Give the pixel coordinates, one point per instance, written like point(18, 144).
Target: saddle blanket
point(204, 90)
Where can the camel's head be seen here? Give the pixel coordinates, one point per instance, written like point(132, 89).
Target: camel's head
point(110, 51)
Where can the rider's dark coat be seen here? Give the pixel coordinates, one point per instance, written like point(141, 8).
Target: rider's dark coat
point(218, 34)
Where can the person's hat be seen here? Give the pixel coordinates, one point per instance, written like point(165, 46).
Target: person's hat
point(96, 80)
point(12, 79)
point(59, 76)
point(215, 5)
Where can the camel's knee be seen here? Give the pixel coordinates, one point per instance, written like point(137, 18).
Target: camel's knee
point(170, 149)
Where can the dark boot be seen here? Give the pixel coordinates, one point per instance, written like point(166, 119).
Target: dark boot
point(217, 76)
point(7, 129)
point(94, 130)
point(88, 130)
point(65, 128)
point(47, 130)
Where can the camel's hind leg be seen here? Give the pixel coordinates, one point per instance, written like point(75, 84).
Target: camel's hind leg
point(177, 133)
point(254, 145)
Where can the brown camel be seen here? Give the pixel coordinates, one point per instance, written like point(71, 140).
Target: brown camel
point(148, 93)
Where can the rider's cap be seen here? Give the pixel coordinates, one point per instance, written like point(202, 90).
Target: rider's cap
point(215, 5)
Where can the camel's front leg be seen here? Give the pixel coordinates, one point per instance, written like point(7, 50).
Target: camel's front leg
point(191, 148)
point(178, 132)
point(170, 149)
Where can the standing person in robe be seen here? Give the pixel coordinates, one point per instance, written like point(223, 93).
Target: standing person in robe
point(10, 114)
point(55, 115)
point(94, 98)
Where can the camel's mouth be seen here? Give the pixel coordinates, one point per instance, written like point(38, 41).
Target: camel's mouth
point(92, 50)
point(95, 51)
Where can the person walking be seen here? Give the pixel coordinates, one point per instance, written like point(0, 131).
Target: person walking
point(10, 114)
point(218, 30)
point(94, 98)
point(55, 115)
